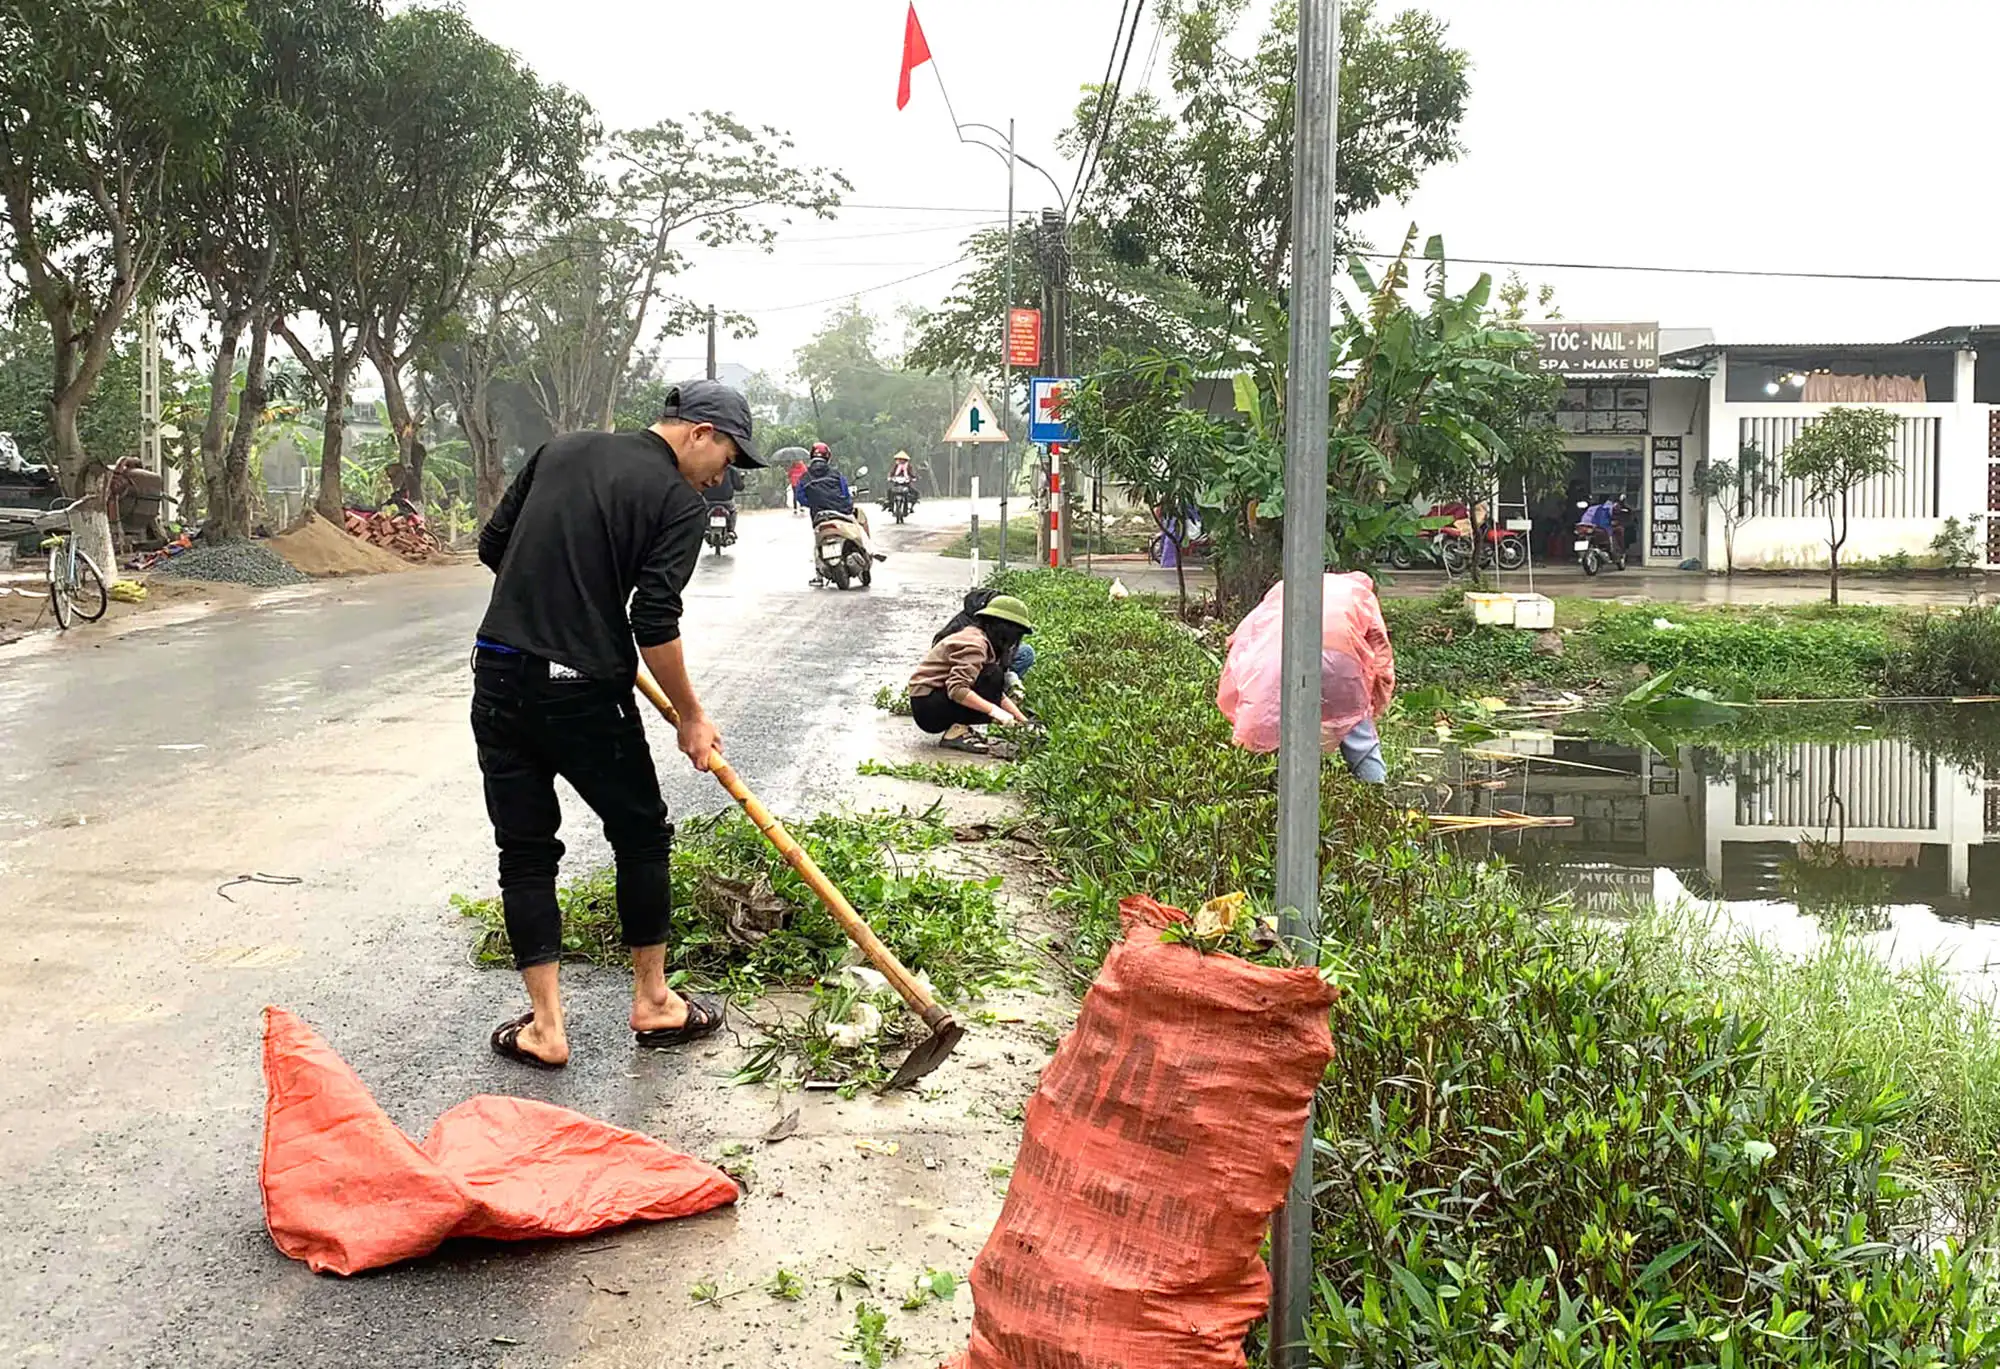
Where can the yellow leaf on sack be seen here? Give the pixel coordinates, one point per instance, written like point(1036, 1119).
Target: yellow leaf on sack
point(1491, 704)
point(128, 592)
point(873, 1147)
point(1218, 915)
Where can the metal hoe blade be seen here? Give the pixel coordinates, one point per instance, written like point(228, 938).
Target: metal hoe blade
point(927, 1055)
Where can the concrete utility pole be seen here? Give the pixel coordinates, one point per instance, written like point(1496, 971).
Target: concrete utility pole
point(1006, 365)
point(1316, 111)
point(1053, 247)
point(711, 342)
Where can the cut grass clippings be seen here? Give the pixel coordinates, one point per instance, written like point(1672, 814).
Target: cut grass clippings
point(1546, 1141)
point(744, 920)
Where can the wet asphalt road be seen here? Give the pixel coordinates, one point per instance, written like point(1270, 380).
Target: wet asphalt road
point(321, 736)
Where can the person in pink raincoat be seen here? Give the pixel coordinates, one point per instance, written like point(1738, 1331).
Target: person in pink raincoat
point(1357, 674)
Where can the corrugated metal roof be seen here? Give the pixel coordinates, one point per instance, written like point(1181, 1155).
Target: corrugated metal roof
point(1700, 357)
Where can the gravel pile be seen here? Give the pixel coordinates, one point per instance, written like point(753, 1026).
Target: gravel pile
point(236, 563)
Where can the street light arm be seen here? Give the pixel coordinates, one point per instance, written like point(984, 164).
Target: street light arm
point(1061, 198)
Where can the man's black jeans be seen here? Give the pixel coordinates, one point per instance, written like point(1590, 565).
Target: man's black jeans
point(531, 728)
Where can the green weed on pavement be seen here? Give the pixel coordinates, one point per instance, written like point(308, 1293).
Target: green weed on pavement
point(990, 779)
point(951, 928)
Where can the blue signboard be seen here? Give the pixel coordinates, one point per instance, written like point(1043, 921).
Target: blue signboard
point(1044, 402)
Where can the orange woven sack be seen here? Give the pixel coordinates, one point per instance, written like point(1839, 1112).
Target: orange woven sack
point(345, 1190)
point(1156, 1149)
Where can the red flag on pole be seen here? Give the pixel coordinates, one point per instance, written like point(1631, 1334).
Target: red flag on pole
point(915, 53)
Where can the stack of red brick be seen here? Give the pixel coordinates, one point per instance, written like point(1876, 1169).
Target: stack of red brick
point(404, 534)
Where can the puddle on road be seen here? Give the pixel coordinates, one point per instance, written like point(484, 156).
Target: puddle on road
point(1885, 819)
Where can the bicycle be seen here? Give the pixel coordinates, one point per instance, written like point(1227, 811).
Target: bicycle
point(76, 586)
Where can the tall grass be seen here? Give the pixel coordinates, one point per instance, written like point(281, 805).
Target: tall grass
point(1917, 1029)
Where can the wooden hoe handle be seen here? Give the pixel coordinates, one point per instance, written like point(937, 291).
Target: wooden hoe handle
point(858, 931)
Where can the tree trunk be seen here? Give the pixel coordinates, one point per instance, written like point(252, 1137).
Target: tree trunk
point(89, 524)
point(221, 380)
point(339, 367)
point(236, 503)
point(409, 452)
point(489, 476)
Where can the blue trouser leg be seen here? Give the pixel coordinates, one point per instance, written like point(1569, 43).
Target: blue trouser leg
point(1362, 750)
point(1024, 659)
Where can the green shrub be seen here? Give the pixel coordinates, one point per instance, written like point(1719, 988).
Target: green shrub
point(1950, 654)
point(1954, 545)
point(1551, 1144)
point(1437, 643)
point(1772, 653)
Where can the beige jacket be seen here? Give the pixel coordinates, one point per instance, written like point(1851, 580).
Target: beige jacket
point(952, 665)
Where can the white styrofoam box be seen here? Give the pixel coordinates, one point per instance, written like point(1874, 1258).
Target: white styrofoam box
point(1534, 612)
point(1491, 610)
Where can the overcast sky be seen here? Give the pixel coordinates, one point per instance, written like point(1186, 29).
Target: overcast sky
point(1760, 134)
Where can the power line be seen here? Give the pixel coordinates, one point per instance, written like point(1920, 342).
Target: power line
point(1153, 54)
point(864, 290)
point(1099, 254)
point(1104, 129)
point(1703, 270)
point(1097, 122)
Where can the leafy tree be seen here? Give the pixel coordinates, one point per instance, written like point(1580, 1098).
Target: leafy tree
point(108, 422)
point(230, 255)
point(1839, 450)
point(471, 138)
point(867, 405)
point(1137, 431)
point(1731, 488)
point(110, 119)
point(1426, 396)
point(716, 179)
point(1188, 218)
point(1202, 187)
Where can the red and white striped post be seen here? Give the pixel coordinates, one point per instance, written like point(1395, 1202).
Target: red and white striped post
point(1055, 505)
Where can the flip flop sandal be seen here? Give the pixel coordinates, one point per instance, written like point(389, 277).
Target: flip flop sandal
point(971, 743)
point(507, 1044)
point(705, 1012)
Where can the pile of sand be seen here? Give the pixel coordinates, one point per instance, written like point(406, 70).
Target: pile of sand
point(317, 547)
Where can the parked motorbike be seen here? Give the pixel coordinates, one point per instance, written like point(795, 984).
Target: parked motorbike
point(901, 498)
point(842, 551)
point(721, 527)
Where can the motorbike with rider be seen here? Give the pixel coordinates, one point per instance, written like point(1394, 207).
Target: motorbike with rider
point(721, 499)
point(901, 496)
point(1601, 532)
point(841, 550)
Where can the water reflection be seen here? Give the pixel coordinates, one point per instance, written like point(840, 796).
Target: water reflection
point(1885, 818)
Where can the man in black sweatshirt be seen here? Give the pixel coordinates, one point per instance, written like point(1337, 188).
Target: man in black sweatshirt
point(595, 520)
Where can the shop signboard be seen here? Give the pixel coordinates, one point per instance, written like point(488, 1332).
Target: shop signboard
point(1596, 348)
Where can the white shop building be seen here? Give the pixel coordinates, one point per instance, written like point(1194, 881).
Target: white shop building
point(1946, 398)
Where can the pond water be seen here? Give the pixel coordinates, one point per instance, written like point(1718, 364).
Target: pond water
point(1787, 819)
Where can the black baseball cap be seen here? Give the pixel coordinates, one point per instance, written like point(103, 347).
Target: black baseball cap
point(712, 402)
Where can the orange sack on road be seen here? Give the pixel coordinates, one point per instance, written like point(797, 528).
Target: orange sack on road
point(345, 1190)
point(1157, 1147)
